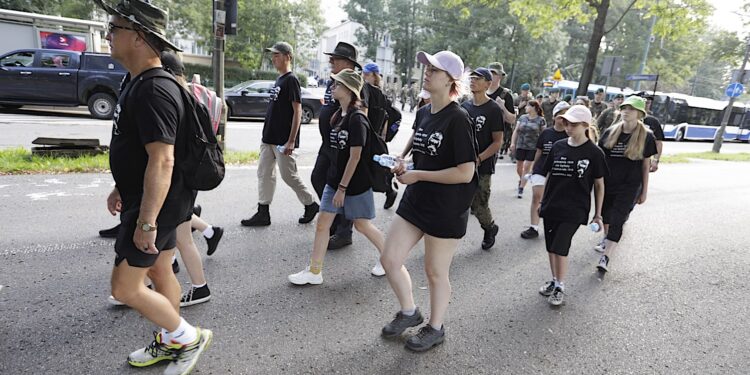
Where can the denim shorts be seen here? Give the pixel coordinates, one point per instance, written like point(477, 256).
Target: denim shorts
point(361, 206)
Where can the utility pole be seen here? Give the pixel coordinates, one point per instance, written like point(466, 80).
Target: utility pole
point(719, 138)
point(645, 52)
point(219, 20)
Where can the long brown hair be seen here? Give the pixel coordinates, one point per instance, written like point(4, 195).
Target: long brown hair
point(354, 105)
point(537, 107)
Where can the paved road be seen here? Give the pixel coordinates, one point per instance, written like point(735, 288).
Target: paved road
point(675, 301)
point(21, 127)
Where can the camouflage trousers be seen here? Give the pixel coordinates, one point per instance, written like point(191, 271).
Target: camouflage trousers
point(480, 206)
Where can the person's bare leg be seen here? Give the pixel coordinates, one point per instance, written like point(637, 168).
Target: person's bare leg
point(526, 170)
point(438, 255)
point(402, 236)
point(519, 171)
point(320, 243)
point(198, 223)
point(553, 264)
point(164, 280)
point(128, 288)
point(561, 267)
point(372, 233)
point(189, 253)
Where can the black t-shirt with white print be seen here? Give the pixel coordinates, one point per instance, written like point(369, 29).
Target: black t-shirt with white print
point(625, 174)
point(151, 113)
point(548, 138)
point(330, 106)
point(655, 125)
point(279, 115)
point(504, 94)
point(441, 140)
point(571, 172)
point(486, 118)
point(351, 132)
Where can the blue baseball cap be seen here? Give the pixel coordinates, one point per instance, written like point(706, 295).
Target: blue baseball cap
point(482, 72)
point(525, 86)
point(371, 68)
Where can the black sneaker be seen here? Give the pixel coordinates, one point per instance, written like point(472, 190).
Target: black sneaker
point(489, 237)
point(425, 339)
point(175, 266)
point(337, 242)
point(310, 211)
point(401, 322)
point(195, 296)
point(111, 232)
point(547, 288)
point(214, 240)
point(603, 263)
point(530, 233)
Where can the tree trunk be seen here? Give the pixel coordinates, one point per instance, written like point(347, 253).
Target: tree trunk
point(591, 55)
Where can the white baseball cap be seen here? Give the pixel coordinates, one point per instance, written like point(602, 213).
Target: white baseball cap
point(578, 113)
point(559, 107)
point(443, 60)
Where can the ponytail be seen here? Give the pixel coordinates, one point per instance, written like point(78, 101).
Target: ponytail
point(592, 133)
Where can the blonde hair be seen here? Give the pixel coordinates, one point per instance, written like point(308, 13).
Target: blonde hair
point(592, 133)
point(636, 143)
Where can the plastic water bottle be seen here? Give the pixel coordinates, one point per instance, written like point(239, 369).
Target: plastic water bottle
point(594, 227)
point(282, 149)
point(389, 161)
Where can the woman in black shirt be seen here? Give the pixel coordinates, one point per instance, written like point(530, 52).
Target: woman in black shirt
point(572, 167)
point(628, 146)
point(348, 189)
point(435, 205)
point(537, 180)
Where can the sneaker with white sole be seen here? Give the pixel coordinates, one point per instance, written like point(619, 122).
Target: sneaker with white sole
point(557, 297)
point(156, 352)
point(378, 270)
point(600, 247)
point(306, 277)
point(187, 356)
point(195, 296)
point(114, 302)
point(547, 288)
point(603, 263)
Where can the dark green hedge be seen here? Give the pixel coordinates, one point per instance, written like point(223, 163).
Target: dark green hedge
point(234, 75)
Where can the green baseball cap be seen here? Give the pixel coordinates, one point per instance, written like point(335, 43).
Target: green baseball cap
point(636, 102)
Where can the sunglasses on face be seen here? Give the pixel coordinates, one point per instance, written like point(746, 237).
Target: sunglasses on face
point(111, 27)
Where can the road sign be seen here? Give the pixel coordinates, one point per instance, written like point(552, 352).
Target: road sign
point(642, 77)
point(611, 66)
point(735, 90)
point(557, 76)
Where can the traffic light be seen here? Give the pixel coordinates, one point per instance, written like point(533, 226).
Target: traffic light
point(230, 27)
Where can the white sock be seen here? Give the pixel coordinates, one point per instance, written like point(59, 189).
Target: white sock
point(174, 257)
point(164, 336)
point(209, 232)
point(436, 328)
point(184, 334)
point(199, 286)
point(561, 285)
point(535, 227)
point(409, 312)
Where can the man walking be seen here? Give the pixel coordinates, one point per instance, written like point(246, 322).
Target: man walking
point(599, 104)
point(281, 128)
point(548, 105)
point(504, 98)
point(149, 190)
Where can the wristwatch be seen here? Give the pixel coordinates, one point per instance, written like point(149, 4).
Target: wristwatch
point(146, 227)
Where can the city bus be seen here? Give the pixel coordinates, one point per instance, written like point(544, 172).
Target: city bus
point(686, 117)
point(570, 87)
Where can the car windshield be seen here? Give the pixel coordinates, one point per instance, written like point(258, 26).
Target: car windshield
point(238, 87)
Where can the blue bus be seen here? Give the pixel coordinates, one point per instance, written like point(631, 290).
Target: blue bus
point(686, 117)
point(570, 87)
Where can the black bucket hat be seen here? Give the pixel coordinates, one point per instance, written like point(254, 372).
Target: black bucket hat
point(346, 51)
point(151, 19)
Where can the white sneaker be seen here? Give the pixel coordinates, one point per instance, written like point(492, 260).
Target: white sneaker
point(378, 270)
point(306, 277)
point(114, 302)
point(600, 246)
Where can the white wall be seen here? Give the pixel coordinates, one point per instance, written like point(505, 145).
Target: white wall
point(22, 37)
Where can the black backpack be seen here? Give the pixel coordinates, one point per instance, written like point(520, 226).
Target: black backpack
point(375, 145)
point(197, 152)
point(394, 120)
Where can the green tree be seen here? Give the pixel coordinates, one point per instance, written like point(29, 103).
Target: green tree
point(82, 9)
point(373, 16)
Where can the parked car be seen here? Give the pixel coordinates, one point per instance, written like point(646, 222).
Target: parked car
point(251, 98)
point(51, 77)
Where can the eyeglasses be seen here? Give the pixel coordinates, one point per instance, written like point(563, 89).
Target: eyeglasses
point(112, 27)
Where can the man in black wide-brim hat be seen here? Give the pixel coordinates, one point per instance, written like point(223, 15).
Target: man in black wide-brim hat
point(149, 192)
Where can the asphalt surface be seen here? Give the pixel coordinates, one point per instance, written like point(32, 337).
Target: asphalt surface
point(675, 301)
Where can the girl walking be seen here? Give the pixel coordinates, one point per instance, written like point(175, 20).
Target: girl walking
point(523, 142)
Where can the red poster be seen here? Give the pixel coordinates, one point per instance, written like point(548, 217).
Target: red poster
point(68, 42)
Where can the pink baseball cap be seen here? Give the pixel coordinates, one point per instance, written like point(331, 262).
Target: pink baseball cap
point(578, 113)
point(443, 60)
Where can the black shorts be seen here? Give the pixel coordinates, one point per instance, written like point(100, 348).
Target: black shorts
point(617, 206)
point(558, 235)
point(166, 239)
point(526, 155)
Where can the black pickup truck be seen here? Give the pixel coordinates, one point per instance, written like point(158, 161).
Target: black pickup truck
point(60, 78)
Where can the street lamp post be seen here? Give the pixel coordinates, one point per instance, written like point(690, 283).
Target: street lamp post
point(719, 138)
point(219, 18)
